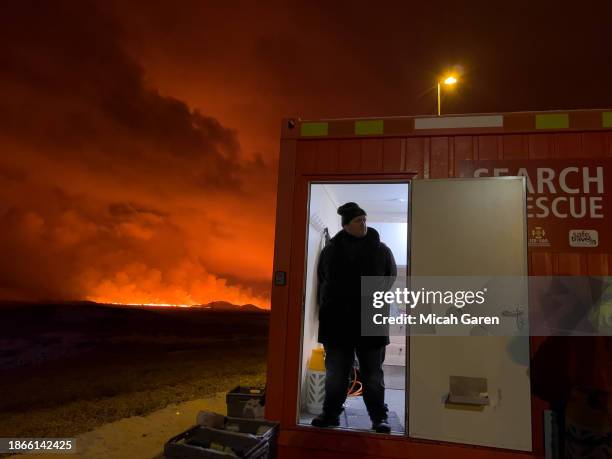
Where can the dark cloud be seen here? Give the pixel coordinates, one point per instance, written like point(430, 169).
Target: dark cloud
point(70, 87)
point(251, 66)
point(11, 173)
point(129, 209)
point(102, 178)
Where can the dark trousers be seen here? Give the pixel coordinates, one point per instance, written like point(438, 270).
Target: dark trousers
point(338, 365)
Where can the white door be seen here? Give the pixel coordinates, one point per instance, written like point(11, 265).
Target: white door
point(470, 227)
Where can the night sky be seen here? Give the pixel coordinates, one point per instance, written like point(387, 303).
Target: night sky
point(139, 140)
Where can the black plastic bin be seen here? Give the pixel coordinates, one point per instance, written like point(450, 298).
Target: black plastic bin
point(264, 430)
point(198, 443)
point(245, 402)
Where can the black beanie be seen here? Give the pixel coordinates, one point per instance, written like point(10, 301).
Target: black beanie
point(349, 211)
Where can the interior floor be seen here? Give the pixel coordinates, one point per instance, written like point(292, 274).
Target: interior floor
point(355, 415)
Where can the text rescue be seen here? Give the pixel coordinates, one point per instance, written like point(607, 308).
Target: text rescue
point(578, 204)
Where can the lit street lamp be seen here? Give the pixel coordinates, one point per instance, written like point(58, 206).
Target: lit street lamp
point(450, 80)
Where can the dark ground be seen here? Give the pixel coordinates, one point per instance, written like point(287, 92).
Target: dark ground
point(66, 369)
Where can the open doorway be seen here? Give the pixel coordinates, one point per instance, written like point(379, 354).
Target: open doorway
point(387, 207)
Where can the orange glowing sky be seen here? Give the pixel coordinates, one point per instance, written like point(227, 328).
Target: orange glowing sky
point(139, 140)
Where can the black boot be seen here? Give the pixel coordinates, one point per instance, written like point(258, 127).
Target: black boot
point(324, 420)
point(381, 426)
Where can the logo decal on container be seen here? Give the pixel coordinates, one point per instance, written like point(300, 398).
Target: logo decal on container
point(538, 238)
point(583, 238)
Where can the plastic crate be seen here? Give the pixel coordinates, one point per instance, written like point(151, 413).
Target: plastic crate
point(245, 402)
point(264, 430)
point(199, 443)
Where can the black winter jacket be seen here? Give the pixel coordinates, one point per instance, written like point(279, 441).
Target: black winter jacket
point(341, 264)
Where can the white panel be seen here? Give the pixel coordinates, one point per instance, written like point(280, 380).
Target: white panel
point(470, 227)
point(457, 122)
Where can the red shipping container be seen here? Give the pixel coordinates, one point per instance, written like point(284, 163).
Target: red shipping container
point(566, 158)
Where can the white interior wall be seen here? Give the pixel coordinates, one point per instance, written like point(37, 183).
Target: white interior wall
point(395, 236)
point(323, 210)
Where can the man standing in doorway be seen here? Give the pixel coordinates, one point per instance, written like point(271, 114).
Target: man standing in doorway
point(353, 252)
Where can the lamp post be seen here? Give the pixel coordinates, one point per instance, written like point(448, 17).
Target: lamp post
point(450, 80)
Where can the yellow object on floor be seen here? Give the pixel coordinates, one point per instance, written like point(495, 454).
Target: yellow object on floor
point(317, 360)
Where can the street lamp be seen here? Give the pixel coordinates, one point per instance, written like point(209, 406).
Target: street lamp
point(449, 81)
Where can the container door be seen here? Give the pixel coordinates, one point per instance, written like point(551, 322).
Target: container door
point(470, 227)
